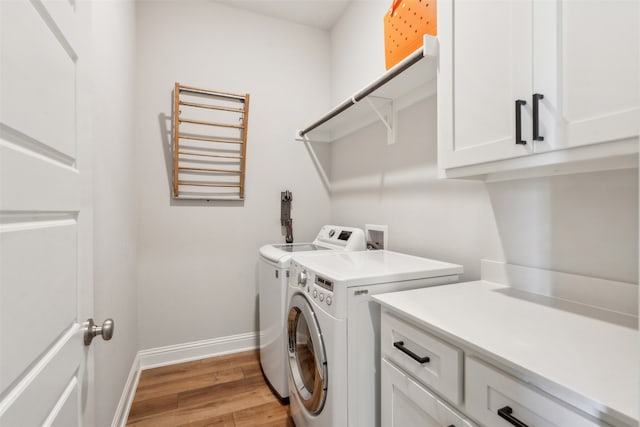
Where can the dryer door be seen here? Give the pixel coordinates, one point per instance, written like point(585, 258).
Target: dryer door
point(307, 356)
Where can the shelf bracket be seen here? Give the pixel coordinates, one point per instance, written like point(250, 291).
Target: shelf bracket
point(387, 115)
point(316, 161)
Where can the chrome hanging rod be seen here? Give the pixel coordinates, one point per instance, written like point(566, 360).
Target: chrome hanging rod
point(368, 90)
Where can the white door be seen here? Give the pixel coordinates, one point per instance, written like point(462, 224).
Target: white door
point(45, 213)
point(485, 66)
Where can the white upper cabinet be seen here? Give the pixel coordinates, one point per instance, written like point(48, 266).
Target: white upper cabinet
point(526, 77)
point(485, 66)
point(598, 73)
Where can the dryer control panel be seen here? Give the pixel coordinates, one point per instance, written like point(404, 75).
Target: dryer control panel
point(324, 283)
point(339, 237)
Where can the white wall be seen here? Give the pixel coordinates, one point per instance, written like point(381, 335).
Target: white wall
point(197, 260)
point(585, 223)
point(396, 185)
point(357, 48)
point(114, 200)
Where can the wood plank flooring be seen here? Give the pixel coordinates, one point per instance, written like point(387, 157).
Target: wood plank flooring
point(224, 391)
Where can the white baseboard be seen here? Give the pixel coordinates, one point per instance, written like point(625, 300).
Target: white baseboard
point(173, 354)
point(129, 391)
point(170, 355)
point(621, 297)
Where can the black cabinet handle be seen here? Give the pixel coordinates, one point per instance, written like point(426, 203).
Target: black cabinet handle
point(536, 122)
point(400, 346)
point(519, 104)
point(506, 414)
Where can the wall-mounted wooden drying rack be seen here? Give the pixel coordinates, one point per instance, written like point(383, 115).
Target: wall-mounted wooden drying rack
point(209, 143)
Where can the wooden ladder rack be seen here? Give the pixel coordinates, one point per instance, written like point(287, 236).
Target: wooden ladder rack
point(209, 148)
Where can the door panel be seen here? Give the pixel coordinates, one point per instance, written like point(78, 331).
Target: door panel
point(37, 396)
point(45, 213)
point(489, 56)
point(600, 70)
point(65, 412)
point(32, 251)
point(55, 185)
point(38, 77)
point(63, 18)
point(407, 403)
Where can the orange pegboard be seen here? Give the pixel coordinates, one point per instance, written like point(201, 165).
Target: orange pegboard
point(405, 23)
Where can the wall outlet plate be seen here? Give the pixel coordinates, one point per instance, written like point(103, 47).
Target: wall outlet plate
point(377, 236)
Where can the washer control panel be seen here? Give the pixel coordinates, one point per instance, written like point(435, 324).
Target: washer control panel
point(316, 287)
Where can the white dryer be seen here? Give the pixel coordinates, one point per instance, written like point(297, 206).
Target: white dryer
point(272, 284)
point(334, 326)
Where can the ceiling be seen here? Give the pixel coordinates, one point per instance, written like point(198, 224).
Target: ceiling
point(314, 13)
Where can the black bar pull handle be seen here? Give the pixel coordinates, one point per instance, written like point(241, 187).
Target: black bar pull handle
point(400, 346)
point(506, 414)
point(536, 120)
point(519, 104)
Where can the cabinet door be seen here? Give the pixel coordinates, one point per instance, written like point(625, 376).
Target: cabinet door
point(587, 65)
point(406, 403)
point(485, 65)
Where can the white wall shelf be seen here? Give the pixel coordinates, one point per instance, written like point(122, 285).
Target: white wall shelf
point(412, 73)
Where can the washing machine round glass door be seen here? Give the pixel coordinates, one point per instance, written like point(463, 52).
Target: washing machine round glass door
point(307, 357)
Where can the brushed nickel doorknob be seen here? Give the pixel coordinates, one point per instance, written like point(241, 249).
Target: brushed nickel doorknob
point(92, 330)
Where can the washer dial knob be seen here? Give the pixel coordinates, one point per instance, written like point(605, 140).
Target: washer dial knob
point(302, 278)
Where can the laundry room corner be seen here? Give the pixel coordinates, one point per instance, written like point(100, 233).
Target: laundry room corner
point(197, 260)
point(319, 213)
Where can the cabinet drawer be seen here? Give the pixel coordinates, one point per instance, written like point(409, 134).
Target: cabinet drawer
point(489, 391)
point(406, 403)
point(441, 366)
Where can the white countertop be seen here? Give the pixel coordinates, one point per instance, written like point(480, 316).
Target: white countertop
point(586, 356)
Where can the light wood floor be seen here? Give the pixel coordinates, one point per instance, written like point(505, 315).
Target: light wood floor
point(221, 391)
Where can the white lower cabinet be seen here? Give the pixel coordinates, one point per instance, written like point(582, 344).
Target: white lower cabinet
point(405, 403)
point(416, 368)
point(424, 357)
point(496, 399)
point(428, 382)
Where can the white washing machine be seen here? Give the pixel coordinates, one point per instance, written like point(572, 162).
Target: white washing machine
point(272, 284)
point(334, 327)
